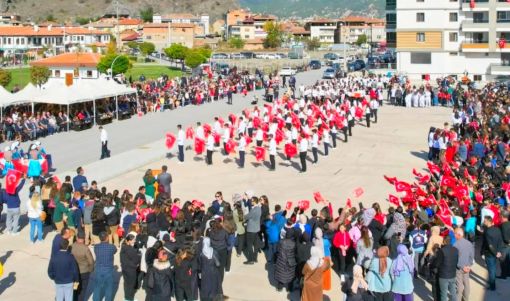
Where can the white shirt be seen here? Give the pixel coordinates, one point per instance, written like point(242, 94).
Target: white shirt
point(104, 136)
point(374, 104)
point(259, 135)
point(242, 144)
point(272, 147)
point(226, 135)
point(303, 145)
point(200, 132)
point(210, 143)
point(217, 127)
point(242, 127)
point(315, 140)
point(294, 133)
point(180, 137)
point(325, 136)
point(34, 212)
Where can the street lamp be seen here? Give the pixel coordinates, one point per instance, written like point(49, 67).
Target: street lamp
point(345, 45)
point(110, 70)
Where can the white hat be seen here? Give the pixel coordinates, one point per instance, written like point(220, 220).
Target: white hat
point(33, 146)
point(38, 143)
point(14, 144)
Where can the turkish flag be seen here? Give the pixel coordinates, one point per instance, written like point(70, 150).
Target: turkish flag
point(317, 196)
point(230, 146)
point(348, 204)
point(310, 121)
point(290, 150)
point(394, 200)
point(190, 133)
point(44, 166)
point(428, 201)
point(170, 140)
point(433, 167)
point(19, 165)
point(247, 113)
point(402, 186)
point(358, 113)
point(448, 181)
point(472, 4)
point(256, 122)
point(417, 174)
point(11, 180)
point(461, 191)
point(479, 197)
point(216, 137)
point(57, 181)
point(207, 129)
point(295, 121)
point(445, 217)
point(269, 108)
point(501, 42)
point(260, 153)
point(221, 121)
point(304, 204)
point(248, 139)
point(392, 181)
point(278, 136)
point(358, 192)
point(424, 180)
point(443, 206)
point(447, 169)
point(232, 118)
point(199, 145)
point(288, 205)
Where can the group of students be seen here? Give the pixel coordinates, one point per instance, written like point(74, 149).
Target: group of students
point(294, 125)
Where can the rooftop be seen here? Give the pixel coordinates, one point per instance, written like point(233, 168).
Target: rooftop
point(17, 31)
point(78, 59)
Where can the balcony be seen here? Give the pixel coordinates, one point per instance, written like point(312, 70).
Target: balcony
point(500, 69)
point(475, 46)
point(475, 25)
point(480, 5)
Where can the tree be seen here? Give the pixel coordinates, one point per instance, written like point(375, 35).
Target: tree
point(194, 58)
point(82, 20)
point(111, 48)
point(205, 51)
point(274, 36)
point(51, 18)
point(122, 63)
point(177, 52)
point(362, 39)
point(39, 75)
point(147, 13)
point(236, 42)
point(313, 44)
point(147, 48)
point(132, 44)
point(5, 77)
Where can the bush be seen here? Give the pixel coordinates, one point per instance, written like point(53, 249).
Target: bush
point(5, 77)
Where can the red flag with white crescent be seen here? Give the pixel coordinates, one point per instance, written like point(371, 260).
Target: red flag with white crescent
point(11, 180)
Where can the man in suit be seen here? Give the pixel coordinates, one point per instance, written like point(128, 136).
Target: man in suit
point(165, 179)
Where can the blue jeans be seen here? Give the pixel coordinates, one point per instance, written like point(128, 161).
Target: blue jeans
point(271, 252)
point(181, 153)
point(64, 292)
point(491, 263)
point(103, 286)
point(36, 225)
point(448, 285)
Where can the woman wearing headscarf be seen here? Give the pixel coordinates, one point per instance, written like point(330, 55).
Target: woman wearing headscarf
point(325, 246)
point(285, 269)
point(303, 248)
point(210, 287)
point(434, 239)
point(373, 224)
point(356, 287)
point(378, 275)
point(313, 275)
point(402, 275)
point(149, 180)
point(397, 226)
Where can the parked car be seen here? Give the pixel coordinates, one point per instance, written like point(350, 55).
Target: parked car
point(219, 56)
point(356, 65)
point(295, 56)
point(236, 56)
point(222, 68)
point(315, 64)
point(329, 73)
point(248, 55)
point(287, 71)
point(280, 55)
point(330, 56)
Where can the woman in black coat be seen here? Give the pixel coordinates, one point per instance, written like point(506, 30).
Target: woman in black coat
point(185, 271)
point(130, 264)
point(210, 284)
point(303, 248)
point(159, 279)
point(285, 269)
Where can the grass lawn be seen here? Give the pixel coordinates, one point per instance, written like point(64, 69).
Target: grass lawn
point(152, 71)
point(20, 77)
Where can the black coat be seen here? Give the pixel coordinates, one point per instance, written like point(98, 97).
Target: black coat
point(210, 283)
point(286, 263)
point(129, 258)
point(351, 296)
point(377, 229)
point(159, 281)
point(446, 262)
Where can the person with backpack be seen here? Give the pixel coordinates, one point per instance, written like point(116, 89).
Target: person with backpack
point(112, 216)
point(418, 240)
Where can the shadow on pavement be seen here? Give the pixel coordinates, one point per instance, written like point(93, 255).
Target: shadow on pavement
point(7, 282)
point(421, 154)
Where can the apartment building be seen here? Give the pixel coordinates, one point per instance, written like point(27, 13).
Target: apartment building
point(352, 27)
point(453, 37)
point(16, 39)
point(162, 35)
point(325, 30)
point(201, 22)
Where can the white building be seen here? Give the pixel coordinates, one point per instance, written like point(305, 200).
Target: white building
point(450, 37)
point(77, 65)
point(202, 21)
point(325, 30)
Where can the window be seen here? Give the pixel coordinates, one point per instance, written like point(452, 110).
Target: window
point(420, 37)
point(57, 73)
point(503, 16)
point(454, 17)
point(477, 77)
point(453, 37)
point(89, 73)
point(420, 58)
point(420, 17)
point(454, 53)
point(246, 36)
point(420, 0)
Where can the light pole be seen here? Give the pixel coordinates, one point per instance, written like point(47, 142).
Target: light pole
point(345, 44)
point(116, 100)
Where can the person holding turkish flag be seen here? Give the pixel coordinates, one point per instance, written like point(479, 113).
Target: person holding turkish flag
point(272, 152)
point(242, 150)
point(10, 196)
